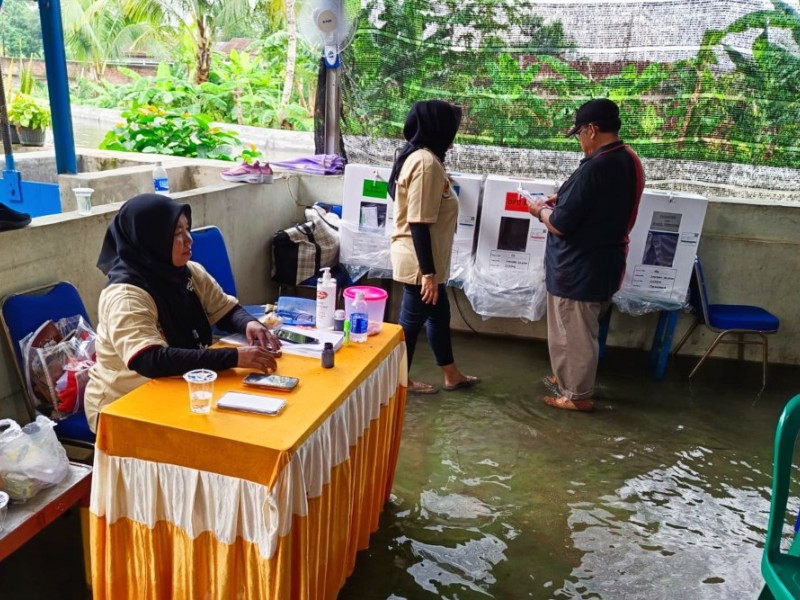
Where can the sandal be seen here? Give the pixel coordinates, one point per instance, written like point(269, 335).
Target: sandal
point(581, 405)
point(468, 381)
point(421, 389)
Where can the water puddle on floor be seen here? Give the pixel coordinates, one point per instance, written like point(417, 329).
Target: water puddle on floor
point(662, 492)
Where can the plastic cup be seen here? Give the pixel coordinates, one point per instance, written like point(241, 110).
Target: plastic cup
point(83, 197)
point(201, 389)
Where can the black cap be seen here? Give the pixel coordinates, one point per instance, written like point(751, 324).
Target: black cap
point(599, 110)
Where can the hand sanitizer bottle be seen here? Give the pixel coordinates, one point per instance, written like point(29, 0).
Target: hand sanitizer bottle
point(160, 180)
point(326, 299)
point(359, 319)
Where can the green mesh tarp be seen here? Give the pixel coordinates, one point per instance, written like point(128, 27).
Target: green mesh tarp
point(710, 90)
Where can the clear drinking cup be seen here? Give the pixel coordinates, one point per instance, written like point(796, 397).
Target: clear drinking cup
point(201, 389)
point(83, 197)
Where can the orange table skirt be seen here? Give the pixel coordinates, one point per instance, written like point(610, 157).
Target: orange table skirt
point(154, 526)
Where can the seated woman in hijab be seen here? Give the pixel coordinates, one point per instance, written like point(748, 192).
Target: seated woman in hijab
point(157, 308)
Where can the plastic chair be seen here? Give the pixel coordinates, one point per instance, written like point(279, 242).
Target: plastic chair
point(21, 314)
point(208, 249)
point(782, 571)
point(725, 319)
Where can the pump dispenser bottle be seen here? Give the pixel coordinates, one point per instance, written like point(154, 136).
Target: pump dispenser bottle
point(326, 299)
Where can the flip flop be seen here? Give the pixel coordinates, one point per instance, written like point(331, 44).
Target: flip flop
point(465, 383)
point(422, 389)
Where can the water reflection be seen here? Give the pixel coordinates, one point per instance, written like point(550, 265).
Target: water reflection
point(662, 494)
point(694, 529)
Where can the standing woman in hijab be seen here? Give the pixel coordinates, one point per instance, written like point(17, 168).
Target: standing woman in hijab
point(425, 223)
point(157, 308)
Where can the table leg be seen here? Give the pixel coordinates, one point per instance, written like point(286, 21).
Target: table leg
point(87, 546)
point(662, 342)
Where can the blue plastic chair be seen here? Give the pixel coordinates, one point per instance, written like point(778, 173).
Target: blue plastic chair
point(726, 319)
point(21, 314)
point(782, 571)
point(208, 249)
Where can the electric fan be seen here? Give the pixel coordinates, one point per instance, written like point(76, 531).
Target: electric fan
point(329, 26)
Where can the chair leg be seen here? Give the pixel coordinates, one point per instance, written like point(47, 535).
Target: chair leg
point(686, 335)
point(707, 352)
point(764, 369)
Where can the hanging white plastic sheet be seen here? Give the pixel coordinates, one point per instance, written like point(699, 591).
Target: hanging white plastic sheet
point(368, 222)
point(661, 253)
point(468, 189)
point(507, 279)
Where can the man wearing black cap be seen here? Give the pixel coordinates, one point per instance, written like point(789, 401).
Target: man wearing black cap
point(588, 221)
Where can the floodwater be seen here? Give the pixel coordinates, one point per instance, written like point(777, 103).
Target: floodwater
point(662, 492)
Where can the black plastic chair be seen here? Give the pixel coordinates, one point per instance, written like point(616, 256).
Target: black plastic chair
point(726, 319)
point(21, 314)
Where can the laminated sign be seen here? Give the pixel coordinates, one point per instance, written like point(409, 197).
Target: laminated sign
point(662, 249)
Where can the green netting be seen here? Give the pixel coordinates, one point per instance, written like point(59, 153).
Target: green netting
point(717, 82)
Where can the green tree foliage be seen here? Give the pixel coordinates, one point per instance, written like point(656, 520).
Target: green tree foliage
point(20, 30)
point(520, 87)
point(204, 20)
point(148, 129)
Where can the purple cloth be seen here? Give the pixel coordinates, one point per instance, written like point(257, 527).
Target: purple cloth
point(317, 164)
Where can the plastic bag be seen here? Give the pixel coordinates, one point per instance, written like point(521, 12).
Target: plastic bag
point(506, 293)
point(637, 304)
point(57, 358)
point(31, 458)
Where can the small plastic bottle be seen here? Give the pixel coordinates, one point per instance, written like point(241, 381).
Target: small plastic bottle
point(327, 356)
point(338, 320)
point(346, 336)
point(160, 180)
point(359, 319)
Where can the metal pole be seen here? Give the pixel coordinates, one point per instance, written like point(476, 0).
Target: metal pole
point(332, 111)
point(58, 85)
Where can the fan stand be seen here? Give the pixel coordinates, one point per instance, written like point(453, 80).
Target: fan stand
point(332, 111)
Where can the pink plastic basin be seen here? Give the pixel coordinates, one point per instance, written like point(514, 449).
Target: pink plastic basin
point(375, 298)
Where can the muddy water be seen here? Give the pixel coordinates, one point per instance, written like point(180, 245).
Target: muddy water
point(661, 493)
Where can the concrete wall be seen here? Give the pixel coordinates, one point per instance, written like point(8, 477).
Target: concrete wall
point(751, 252)
point(66, 246)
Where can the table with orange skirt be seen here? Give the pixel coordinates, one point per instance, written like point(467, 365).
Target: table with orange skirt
point(247, 506)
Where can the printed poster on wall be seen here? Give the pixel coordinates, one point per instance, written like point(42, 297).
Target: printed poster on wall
point(510, 238)
point(663, 246)
point(368, 219)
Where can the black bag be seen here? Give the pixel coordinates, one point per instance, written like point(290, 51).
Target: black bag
point(299, 252)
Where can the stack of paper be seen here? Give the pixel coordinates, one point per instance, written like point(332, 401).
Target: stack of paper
point(314, 350)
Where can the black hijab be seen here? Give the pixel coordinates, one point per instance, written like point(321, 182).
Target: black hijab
point(432, 124)
point(137, 250)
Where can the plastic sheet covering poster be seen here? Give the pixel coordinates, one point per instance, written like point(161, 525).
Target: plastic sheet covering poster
point(510, 239)
point(367, 217)
point(468, 190)
point(663, 246)
point(507, 278)
point(368, 220)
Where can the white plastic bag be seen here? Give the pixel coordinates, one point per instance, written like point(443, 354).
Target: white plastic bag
point(31, 458)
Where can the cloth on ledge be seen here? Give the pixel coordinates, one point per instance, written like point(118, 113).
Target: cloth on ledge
point(316, 164)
